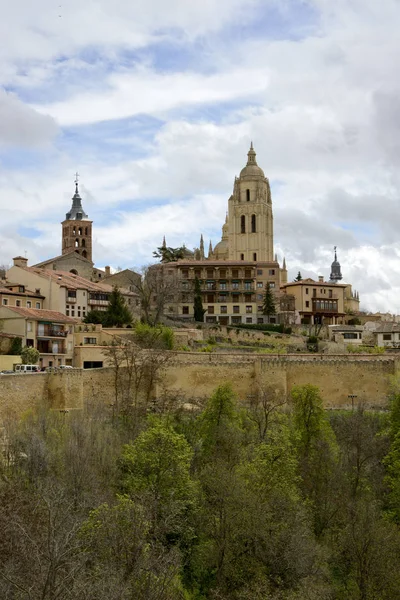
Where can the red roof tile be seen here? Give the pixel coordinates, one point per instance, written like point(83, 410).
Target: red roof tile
point(41, 314)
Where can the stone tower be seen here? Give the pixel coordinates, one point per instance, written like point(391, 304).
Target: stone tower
point(336, 273)
point(77, 229)
point(250, 221)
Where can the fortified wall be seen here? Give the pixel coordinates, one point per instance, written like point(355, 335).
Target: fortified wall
point(194, 376)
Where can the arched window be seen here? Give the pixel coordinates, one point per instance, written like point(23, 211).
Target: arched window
point(74, 230)
point(248, 195)
point(74, 271)
point(83, 243)
point(76, 243)
point(84, 254)
point(242, 224)
point(254, 256)
point(253, 223)
point(80, 231)
point(242, 257)
point(86, 230)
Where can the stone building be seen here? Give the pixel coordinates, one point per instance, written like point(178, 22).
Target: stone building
point(76, 244)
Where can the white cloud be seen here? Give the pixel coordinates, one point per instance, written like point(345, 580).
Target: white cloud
point(21, 125)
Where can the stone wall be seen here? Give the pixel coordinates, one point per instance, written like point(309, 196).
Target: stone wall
point(194, 376)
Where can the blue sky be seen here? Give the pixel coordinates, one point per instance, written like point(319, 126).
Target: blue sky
point(156, 109)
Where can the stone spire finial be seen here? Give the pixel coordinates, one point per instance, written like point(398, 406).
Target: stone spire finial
point(201, 247)
point(76, 213)
point(276, 257)
point(251, 156)
point(210, 250)
point(284, 263)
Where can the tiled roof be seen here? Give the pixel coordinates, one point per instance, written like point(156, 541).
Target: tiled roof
point(346, 327)
point(74, 282)
point(40, 314)
point(50, 260)
point(313, 282)
point(387, 327)
point(6, 290)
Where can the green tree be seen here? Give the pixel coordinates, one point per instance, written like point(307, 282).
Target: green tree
point(168, 254)
point(155, 471)
point(16, 346)
point(117, 313)
point(198, 303)
point(29, 356)
point(298, 277)
point(94, 316)
point(269, 302)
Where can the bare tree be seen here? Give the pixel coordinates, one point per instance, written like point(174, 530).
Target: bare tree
point(262, 408)
point(156, 287)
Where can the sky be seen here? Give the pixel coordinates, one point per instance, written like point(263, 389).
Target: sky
point(155, 105)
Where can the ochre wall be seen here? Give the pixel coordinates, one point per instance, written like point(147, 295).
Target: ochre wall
point(196, 375)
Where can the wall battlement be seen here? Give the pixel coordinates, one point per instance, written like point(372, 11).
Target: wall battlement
point(196, 375)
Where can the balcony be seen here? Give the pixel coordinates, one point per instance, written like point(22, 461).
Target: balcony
point(45, 331)
point(71, 299)
point(327, 307)
point(97, 302)
point(50, 347)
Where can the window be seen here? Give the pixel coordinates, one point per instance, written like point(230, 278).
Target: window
point(37, 304)
point(21, 288)
point(259, 272)
point(248, 285)
point(222, 285)
point(83, 243)
point(306, 290)
point(76, 243)
point(314, 293)
point(254, 256)
point(247, 273)
point(72, 313)
point(86, 230)
point(224, 310)
point(18, 303)
point(185, 273)
point(5, 301)
point(235, 285)
point(185, 285)
point(242, 224)
point(29, 326)
point(271, 272)
point(330, 293)
point(242, 257)
point(387, 336)
point(247, 195)
point(37, 291)
point(249, 309)
point(211, 319)
point(210, 273)
point(79, 313)
point(259, 308)
point(253, 223)
point(307, 304)
point(249, 320)
point(28, 304)
point(222, 273)
point(210, 310)
point(260, 284)
point(236, 320)
point(350, 336)
point(259, 296)
point(185, 310)
point(236, 309)
point(90, 340)
point(235, 273)
point(197, 273)
point(67, 312)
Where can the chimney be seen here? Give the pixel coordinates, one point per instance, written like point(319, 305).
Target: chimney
point(107, 271)
point(321, 278)
point(20, 261)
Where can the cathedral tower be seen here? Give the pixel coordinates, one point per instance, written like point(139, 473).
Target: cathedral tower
point(77, 229)
point(250, 221)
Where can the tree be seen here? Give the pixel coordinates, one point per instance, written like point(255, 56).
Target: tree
point(269, 302)
point(168, 254)
point(198, 303)
point(29, 356)
point(298, 277)
point(16, 346)
point(155, 287)
point(94, 316)
point(117, 313)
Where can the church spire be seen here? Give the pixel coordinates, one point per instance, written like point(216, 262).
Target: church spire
point(210, 250)
point(336, 274)
point(251, 156)
point(76, 213)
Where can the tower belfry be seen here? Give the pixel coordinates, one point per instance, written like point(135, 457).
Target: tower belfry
point(77, 228)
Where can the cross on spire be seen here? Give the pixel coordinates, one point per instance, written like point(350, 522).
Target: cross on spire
point(76, 181)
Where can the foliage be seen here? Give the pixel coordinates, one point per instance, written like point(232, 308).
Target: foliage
point(263, 327)
point(16, 346)
point(29, 356)
point(167, 254)
point(354, 321)
point(159, 336)
point(95, 316)
point(198, 303)
point(117, 313)
point(298, 277)
point(354, 349)
point(268, 302)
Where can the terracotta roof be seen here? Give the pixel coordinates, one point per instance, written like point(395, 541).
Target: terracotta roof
point(346, 327)
point(8, 335)
point(40, 314)
point(313, 282)
point(74, 282)
point(387, 328)
point(6, 290)
point(50, 260)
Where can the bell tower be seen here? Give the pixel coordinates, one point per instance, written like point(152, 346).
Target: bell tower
point(250, 221)
point(77, 228)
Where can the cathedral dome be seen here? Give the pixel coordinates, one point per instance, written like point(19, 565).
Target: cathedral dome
point(252, 169)
point(221, 249)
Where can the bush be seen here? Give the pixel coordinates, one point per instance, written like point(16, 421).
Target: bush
point(211, 340)
point(16, 346)
point(264, 327)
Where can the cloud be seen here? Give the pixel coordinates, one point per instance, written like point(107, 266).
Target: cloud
point(21, 125)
